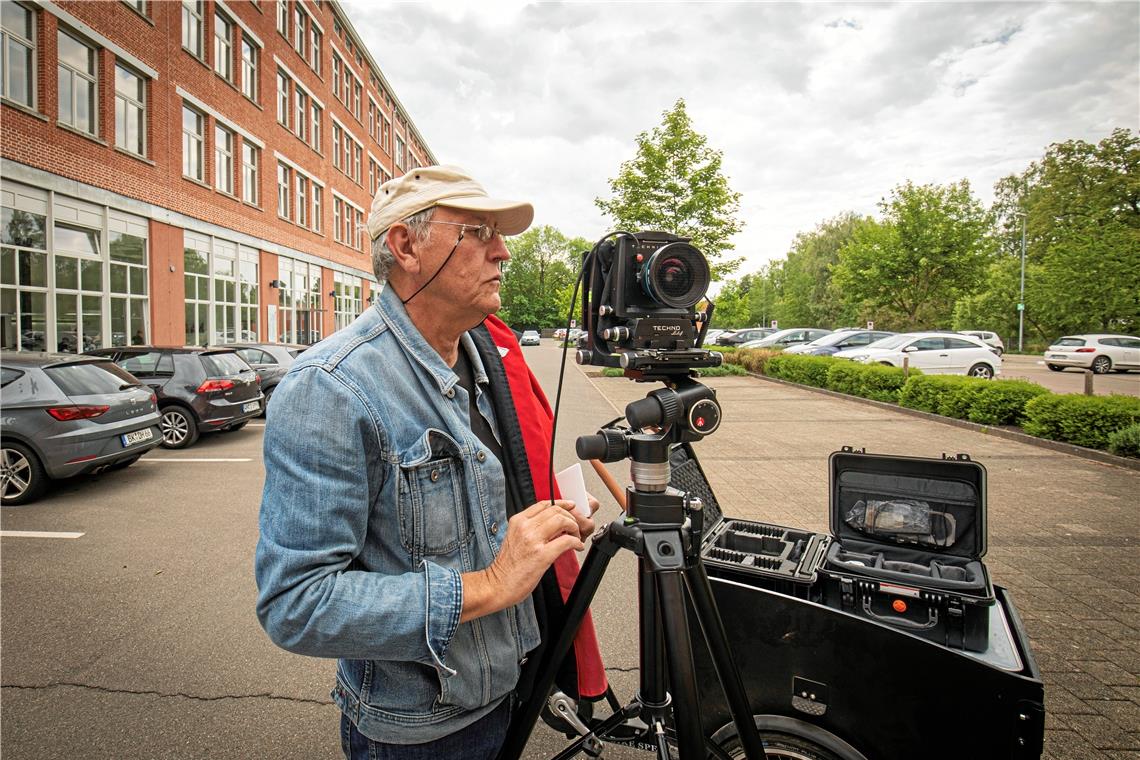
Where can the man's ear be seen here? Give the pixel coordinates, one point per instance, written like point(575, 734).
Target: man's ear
point(400, 242)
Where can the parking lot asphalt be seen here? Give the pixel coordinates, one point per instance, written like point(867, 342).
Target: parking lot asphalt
point(138, 639)
point(1070, 380)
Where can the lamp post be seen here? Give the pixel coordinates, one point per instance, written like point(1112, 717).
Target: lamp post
point(1021, 300)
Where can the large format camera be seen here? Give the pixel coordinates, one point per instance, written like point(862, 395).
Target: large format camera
point(639, 306)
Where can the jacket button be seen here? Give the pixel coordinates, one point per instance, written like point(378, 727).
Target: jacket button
point(450, 393)
point(481, 456)
point(494, 528)
point(434, 475)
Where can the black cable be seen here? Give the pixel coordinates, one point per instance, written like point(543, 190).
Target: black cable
point(562, 367)
point(454, 248)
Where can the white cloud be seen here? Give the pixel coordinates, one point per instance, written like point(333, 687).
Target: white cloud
point(819, 109)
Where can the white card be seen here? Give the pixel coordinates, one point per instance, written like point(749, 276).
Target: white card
point(572, 486)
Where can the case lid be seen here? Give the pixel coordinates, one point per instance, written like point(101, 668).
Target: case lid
point(932, 505)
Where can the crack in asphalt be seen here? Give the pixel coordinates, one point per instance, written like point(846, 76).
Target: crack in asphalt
point(148, 692)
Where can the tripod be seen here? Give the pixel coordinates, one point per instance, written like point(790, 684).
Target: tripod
point(663, 527)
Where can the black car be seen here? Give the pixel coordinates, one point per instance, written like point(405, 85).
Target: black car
point(270, 360)
point(199, 390)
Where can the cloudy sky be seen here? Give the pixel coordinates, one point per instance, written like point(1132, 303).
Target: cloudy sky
point(818, 108)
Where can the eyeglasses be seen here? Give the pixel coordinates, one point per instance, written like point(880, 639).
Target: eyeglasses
point(482, 231)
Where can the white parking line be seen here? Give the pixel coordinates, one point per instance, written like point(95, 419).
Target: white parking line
point(255, 424)
point(36, 534)
point(190, 459)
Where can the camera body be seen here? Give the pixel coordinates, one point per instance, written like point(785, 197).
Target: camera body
point(639, 306)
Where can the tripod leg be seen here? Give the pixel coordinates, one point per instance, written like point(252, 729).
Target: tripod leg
point(682, 669)
point(593, 568)
point(713, 628)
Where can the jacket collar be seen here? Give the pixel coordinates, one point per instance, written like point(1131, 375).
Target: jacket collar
point(395, 316)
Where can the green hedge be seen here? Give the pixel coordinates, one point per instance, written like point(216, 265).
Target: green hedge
point(926, 392)
point(1002, 402)
point(1126, 441)
point(1083, 420)
point(806, 370)
point(752, 359)
point(882, 383)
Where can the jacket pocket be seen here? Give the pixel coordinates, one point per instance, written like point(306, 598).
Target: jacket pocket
point(433, 508)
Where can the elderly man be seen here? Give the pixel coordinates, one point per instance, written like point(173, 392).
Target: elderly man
point(402, 530)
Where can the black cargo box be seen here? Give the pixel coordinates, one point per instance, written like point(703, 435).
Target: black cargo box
point(910, 534)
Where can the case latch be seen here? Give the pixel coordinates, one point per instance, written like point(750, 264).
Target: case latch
point(847, 592)
point(959, 457)
point(853, 450)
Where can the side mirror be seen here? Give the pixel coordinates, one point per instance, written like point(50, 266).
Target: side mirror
point(910, 349)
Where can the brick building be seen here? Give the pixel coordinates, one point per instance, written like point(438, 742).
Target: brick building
point(188, 172)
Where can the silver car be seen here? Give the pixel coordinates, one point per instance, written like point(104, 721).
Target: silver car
point(66, 415)
point(1101, 353)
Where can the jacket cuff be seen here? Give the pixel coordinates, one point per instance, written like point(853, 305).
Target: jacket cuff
point(443, 604)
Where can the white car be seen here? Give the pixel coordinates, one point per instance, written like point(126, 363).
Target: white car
point(987, 337)
point(530, 338)
point(785, 338)
point(1100, 353)
point(935, 353)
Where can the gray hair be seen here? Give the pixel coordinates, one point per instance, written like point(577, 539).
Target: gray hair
point(383, 258)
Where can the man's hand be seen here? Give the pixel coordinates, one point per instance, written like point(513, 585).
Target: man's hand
point(535, 538)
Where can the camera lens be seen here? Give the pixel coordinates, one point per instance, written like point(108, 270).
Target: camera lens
point(676, 275)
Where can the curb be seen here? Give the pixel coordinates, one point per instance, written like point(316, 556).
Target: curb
point(1013, 435)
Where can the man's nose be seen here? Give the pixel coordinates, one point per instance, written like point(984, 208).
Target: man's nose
point(498, 250)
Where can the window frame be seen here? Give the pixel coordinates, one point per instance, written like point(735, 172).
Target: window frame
point(193, 9)
point(91, 77)
point(7, 37)
point(128, 102)
point(201, 142)
point(250, 174)
point(223, 156)
point(284, 191)
point(249, 69)
point(226, 41)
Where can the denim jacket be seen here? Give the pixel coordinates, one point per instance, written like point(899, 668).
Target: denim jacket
point(377, 496)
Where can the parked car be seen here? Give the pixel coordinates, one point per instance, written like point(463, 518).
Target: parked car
point(785, 338)
point(68, 415)
point(270, 361)
point(987, 337)
point(712, 335)
point(530, 338)
point(737, 337)
point(935, 353)
point(199, 390)
point(1099, 352)
point(838, 341)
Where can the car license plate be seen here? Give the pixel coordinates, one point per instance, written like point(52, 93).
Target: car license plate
point(129, 439)
point(251, 406)
point(1060, 356)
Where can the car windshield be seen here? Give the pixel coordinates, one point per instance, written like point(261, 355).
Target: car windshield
point(1070, 342)
point(223, 365)
point(891, 341)
point(831, 338)
point(90, 378)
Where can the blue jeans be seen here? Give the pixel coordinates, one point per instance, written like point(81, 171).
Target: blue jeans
point(479, 741)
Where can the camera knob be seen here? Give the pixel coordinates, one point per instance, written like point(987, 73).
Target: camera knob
point(584, 356)
point(605, 310)
point(616, 333)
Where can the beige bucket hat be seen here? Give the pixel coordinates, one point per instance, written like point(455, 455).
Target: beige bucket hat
point(448, 186)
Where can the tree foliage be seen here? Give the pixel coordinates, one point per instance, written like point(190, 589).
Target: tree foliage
point(675, 184)
point(931, 248)
point(539, 278)
point(806, 294)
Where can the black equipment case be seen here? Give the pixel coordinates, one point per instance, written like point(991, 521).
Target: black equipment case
point(910, 534)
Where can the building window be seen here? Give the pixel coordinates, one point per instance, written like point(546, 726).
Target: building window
point(250, 160)
point(249, 56)
point(314, 48)
point(247, 300)
point(223, 47)
point(348, 219)
point(224, 159)
point(302, 217)
point(299, 313)
point(357, 90)
point(128, 289)
point(315, 133)
point(24, 264)
point(221, 291)
point(337, 64)
point(78, 288)
point(78, 106)
point(385, 130)
point(399, 152)
point(130, 111)
point(283, 18)
point(300, 35)
point(336, 145)
point(348, 299)
point(318, 207)
point(357, 159)
point(17, 54)
point(300, 115)
point(192, 27)
point(193, 143)
point(284, 182)
point(138, 5)
point(338, 211)
point(283, 99)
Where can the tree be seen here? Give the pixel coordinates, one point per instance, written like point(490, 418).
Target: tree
point(675, 184)
point(539, 277)
point(932, 247)
point(1082, 211)
point(807, 297)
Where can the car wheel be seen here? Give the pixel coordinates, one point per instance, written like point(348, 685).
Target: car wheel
point(238, 426)
point(780, 746)
point(984, 371)
point(179, 429)
point(1055, 367)
point(22, 476)
point(125, 463)
point(265, 401)
point(1101, 365)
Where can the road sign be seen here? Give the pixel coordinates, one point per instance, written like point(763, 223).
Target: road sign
point(775, 324)
point(1021, 307)
point(870, 324)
